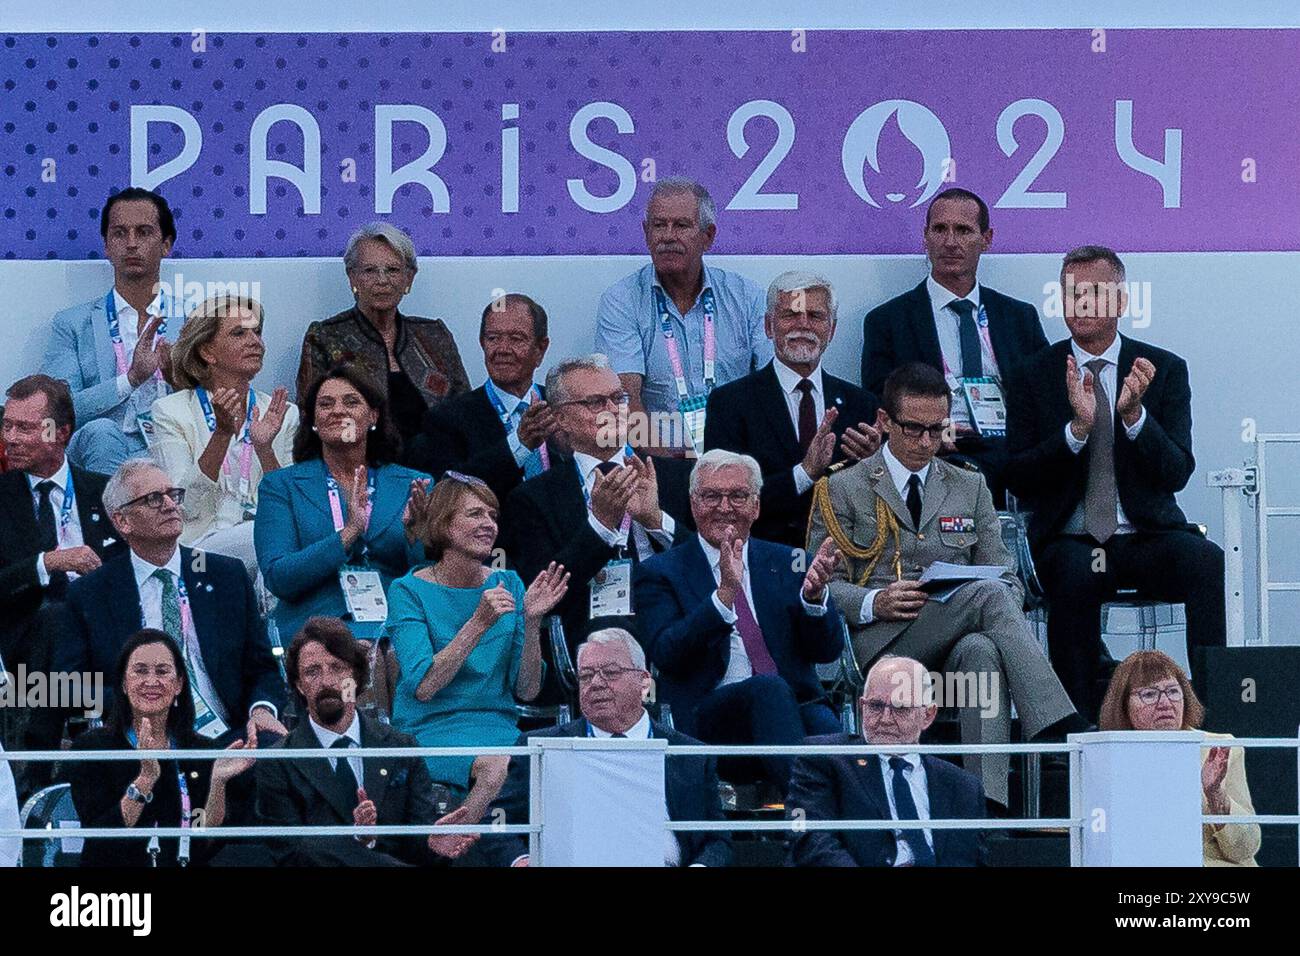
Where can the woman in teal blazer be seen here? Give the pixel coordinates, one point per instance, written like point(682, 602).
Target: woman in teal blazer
point(342, 505)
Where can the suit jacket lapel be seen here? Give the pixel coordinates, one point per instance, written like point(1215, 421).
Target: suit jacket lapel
point(486, 422)
point(311, 484)
point(123, 596)
point(697, 575)
point(771, 405)
point(765, 583)
point(103, 343)
point(872, 779)
point(376, 773)
point(317, 773)
point(998, 331)
point(207, 617)
point(391, 492)
point(22, 510)
point(921, 319)
point(95, 526)
point(932, 494)
point(883, 483)
point(940, 806)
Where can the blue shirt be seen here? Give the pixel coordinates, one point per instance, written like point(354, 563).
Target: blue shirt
point(628, 331)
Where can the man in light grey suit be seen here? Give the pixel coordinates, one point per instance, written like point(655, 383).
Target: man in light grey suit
point(111, 350)
point(896, 513)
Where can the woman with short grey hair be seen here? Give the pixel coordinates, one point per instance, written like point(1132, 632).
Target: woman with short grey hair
point(413, 360)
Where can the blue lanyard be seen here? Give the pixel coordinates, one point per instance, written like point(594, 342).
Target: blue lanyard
point(210, 416)
point(507, 418)
point(180, 776)
point(582, 483)
point(115, 330)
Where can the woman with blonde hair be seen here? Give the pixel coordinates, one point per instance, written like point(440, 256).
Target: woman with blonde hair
point(218, 436)
point(1149, 691)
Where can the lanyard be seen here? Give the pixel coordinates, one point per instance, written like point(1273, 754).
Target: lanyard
point(336, 500)
point(670, 342)
point(982, 324)
point(186, 810)
point(246, 439)
point(586, 495)
point(115, 331)
point(507, 418)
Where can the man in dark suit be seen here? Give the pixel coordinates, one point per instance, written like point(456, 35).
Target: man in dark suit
point(612, 683)
point(326, 665)
point(52, 528)
point(498, 431)
point(596, 507)
point(203, 601)
point(793, 417)
point(895, 710)
point(1101, 441)
point(734, 624)
point(966, 330)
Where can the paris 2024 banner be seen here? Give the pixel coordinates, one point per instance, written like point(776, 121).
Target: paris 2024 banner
point(546, 144)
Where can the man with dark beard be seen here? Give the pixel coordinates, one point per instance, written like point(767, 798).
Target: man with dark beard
point(326, 665)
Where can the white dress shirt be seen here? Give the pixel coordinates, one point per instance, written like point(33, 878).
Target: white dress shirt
point(151, 389)
point(72, 538)
point(587, 468)
point(353, 734)
point(642, 730)
point(790, 380)
point(512, 403)
point(1109, 381)
point(899, 475)
point(151, 591)
point(914, 774)
point(738, 664)
point(947, 324)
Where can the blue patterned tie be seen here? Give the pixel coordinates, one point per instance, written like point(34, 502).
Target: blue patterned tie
point(533, 463)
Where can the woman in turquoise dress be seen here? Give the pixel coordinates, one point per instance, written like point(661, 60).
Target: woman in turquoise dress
point(467, 641)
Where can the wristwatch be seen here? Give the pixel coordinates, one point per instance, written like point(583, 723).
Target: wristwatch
point(134, 793)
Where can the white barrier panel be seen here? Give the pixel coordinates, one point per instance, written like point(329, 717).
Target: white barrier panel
point(1140, 797)
point(603, 802)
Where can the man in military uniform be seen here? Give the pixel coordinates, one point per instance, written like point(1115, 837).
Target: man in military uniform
point(900, 511)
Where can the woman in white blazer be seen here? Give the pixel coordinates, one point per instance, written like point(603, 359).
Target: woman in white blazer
point(1149, 691)
point(217, 436)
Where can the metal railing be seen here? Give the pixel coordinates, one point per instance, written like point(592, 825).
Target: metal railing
point(1074, 822)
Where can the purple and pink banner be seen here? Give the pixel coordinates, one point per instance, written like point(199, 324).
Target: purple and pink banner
point(547, 144)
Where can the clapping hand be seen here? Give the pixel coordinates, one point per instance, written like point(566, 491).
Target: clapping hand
point(610, 495)
point(822, 450)
point(536, 424)
point(1083, 399)
point(228, 767)
point(546, 591)
point(417, 508)
point(267, 425)
point(820, 571)
point(228, 409)
point(643, 505)
point(453, 845)
point(1129, 404)
point(861, 441)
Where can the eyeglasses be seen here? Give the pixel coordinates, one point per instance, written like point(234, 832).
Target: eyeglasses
point(598, 403)
point(877, 708)
point(712, 499)
point(154, 499)
point(161, 671)
point(916, 429)
point(464, 479)
point(608, 674)
point(1151, 695)
point(372, 273)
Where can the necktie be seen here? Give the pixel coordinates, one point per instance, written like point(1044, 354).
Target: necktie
point(48, 530)
point(619, 735)
point(807, 415)
point(972, 361)
point(343, 770)
point(171, 611)
point(533, 465)
point(922, 855)
point(914, 500)
point(1100, 499)
point(751, 635)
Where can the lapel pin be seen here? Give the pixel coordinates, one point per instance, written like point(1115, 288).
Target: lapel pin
point(194, 775)
point(878, 472)
point(207, 587)
point(838, 400)
point(94, 516)
point(383, 771)
point(862, 761)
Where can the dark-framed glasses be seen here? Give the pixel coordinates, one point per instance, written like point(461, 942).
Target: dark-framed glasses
point(1150, 696)
point(154, 499)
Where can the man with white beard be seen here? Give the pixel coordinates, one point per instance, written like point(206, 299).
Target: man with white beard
point(793, 417)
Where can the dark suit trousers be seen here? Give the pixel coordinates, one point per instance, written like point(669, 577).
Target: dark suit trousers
point(761, 710)
point(1180, 567)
